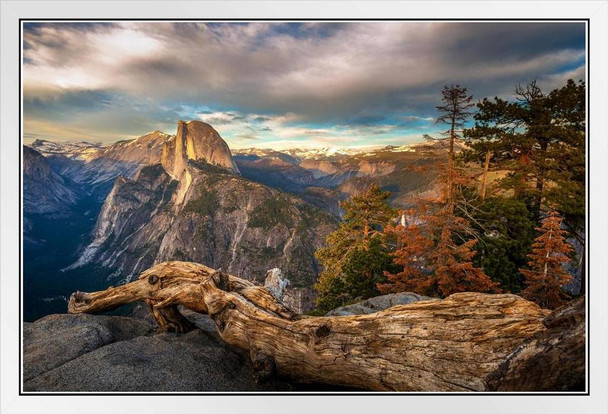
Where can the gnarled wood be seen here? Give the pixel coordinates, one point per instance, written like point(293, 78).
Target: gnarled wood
point(551, 360)
point(448, 345)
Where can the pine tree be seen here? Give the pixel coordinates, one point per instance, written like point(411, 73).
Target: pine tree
point(500, 131)
point(529, 136)
point(539, 140)
point(506, 234)
point(365, 268)
point(546, 274)
point(492, 125)
point(454, 112)
point(567, 167)
point(356, 254)
point(454, 269)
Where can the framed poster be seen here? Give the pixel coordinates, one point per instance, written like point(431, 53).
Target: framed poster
point(303, 205)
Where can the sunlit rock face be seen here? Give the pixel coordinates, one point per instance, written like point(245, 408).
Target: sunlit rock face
point(146, 149)
point(196, 140)
point(195, 206)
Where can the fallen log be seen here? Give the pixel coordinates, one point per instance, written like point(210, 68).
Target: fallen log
point(450, 345)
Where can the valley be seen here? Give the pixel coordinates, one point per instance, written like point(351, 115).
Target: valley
point(121, 208)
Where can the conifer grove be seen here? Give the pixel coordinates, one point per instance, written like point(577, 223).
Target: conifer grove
point(508, 214)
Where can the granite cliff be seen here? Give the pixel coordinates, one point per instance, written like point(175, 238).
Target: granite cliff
point(44, 191)
point(194, 205)
point(195, 140)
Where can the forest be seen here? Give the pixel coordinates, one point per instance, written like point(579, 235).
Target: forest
point(508, 216)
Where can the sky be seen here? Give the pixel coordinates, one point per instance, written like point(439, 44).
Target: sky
point(279, 84)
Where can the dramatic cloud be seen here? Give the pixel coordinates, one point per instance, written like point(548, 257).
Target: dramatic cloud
point(305, 83)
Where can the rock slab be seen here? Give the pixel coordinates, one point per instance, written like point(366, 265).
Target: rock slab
point(75, 353)
point(378, 303)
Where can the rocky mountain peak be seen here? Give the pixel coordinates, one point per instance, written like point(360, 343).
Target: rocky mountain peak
point(146, 149)
point(44, 191)
point(196, 140)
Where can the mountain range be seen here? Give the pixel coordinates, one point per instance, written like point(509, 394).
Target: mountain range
point(187, 196)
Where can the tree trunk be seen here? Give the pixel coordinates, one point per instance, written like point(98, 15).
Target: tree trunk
point(540, 177)
point(450, 195)
point(484, 178)
point(522, 170)
point(453, 344)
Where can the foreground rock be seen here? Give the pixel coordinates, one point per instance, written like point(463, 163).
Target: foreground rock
point(165, 362)
point(95, 353)
point(378, 303)
point(57, 339)
point(108, 353)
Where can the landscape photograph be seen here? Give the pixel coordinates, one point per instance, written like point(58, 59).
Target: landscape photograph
point(304, 207)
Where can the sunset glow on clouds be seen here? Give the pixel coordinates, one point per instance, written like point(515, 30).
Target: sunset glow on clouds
point(278, 84)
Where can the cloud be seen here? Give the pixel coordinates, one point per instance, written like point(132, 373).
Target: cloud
point(318, 76)
point(95, 114)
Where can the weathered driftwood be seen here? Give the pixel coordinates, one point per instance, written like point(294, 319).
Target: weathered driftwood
point(450, 345)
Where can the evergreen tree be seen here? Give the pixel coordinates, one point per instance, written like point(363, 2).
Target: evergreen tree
point(365, 268)
point(492, 126)
point(531, 136)
point(567, 167)
point(539, 140)
point(506, 234)
point(500, 131)
point(454, 112)
point(546, 274)
point(356, 254)
point(413, 245)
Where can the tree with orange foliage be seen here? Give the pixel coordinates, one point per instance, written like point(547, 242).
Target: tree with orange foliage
point(412, 248)
point(436, 260)
point(546, 274)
